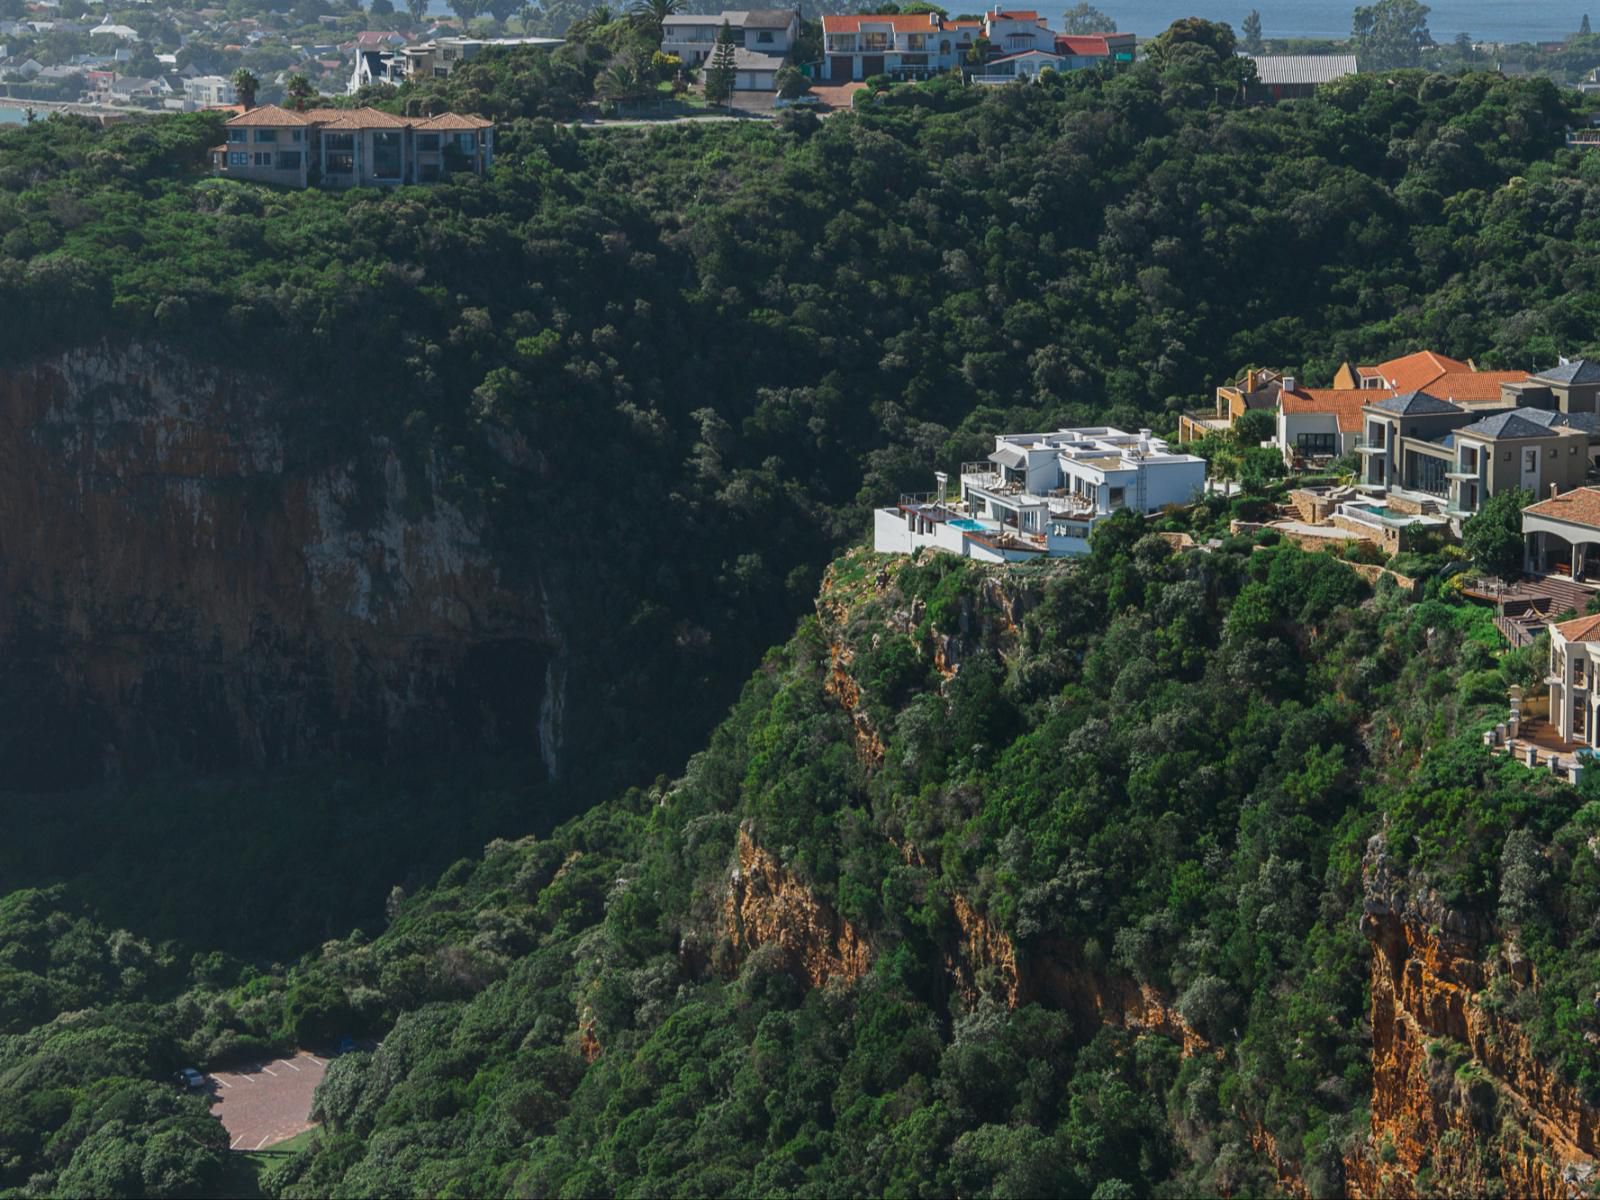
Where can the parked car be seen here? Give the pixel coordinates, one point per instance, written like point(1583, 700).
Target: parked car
point(805, 101)
point(190, 1080)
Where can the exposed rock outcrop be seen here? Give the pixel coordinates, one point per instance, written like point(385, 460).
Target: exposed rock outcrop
point(767, 906)
point(1460, 1104)
point(196, 570)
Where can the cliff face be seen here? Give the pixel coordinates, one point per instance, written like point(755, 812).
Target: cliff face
point(184, 580)
point(767, 906)
point(1460, 1105)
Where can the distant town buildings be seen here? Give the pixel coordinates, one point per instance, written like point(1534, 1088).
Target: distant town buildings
point(381, 60)
point(1000, 46)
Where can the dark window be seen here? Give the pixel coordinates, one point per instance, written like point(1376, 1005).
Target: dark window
point(341, 162)
point(238, 135)
point(266, 135)
point(1312, 444)
point(1429, 474)
point(386, 154)
point(288, 160)
point(428, 142)
point(263, 158)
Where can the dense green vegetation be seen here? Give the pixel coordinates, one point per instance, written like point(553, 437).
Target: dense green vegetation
point(567, 1015)
point(1168, 774)
point(772, 326)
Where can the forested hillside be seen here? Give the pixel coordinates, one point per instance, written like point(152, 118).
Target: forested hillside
point(1043, 882)
point(1111, 909)
point(765, 327)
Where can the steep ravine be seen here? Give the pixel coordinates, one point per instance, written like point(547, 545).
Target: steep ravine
point(194, 572)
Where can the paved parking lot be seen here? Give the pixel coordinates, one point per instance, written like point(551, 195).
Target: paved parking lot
point(268, 1102)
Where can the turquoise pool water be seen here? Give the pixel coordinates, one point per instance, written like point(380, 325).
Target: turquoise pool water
point(967, 524)
point(1385, 511)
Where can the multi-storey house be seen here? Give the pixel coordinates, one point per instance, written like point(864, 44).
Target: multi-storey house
point(352, 147)
point(1041, 494)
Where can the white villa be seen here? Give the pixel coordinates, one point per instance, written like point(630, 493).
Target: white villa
point(1041, 494)
point(1574, 659)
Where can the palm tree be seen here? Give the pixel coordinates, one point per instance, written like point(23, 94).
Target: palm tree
point(626, 79)
point(651, 15)
point(598, 16)
point(300, 93)
point(245, 86)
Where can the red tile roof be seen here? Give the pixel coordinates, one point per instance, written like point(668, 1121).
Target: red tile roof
point(368, 118)
point(268, 116)
point(852, 23)
point(452, 120)
point(1083, 47)
point(346, 119)
point(1414, 372)
point(1580, 629)
point(1471, 386)
point(1016, 14)
point(1580, 506)
point(1344, 403)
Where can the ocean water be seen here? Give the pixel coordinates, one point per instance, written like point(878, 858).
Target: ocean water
point(1485, 20)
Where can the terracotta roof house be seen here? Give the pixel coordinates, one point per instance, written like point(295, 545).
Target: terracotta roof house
point(1320, 423)
point(352, 147)
point(1458, 452)
point(1409, 373)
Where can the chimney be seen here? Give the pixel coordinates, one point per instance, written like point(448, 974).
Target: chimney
point(1552, 491)
point(1288, 383)
point(933, 20)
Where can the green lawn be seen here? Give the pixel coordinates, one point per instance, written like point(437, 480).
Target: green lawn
point(246, 1166)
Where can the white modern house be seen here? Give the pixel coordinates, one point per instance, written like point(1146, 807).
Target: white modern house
point(1042, 494)
point(209, 90)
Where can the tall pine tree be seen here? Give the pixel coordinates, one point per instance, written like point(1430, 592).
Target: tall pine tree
point(1252, 31)
point(720, 71)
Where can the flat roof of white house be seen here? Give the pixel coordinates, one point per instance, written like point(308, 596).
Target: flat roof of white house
point(1095, 442)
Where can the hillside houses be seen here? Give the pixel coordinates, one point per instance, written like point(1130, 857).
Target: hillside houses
point(1000, 45)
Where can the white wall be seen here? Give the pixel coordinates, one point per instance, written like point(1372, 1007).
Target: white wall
point(1172, 483)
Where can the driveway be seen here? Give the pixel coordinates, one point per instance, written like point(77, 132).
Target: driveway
point(268, 1102)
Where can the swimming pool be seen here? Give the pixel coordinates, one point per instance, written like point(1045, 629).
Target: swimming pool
point(967, 524)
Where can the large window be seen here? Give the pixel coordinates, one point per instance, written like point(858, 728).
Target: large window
point(266, 135)
point(339, 153)
point(288, 160)
point(1428, 474)
point(238, 158)
point(1313, 444)
point(386, 154)
point(263, 158)
point(428, 143)
point(238, 135)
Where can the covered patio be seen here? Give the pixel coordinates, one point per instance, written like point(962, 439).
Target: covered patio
point(1561, 535)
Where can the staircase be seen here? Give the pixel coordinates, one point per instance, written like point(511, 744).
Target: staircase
point(1562, 593)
